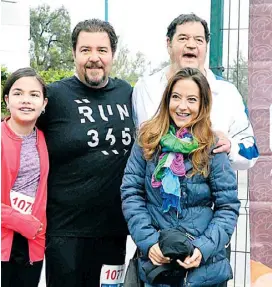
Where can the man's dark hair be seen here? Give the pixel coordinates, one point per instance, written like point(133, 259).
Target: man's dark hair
point(187, 18)
point(94, 26)
point(21, 73)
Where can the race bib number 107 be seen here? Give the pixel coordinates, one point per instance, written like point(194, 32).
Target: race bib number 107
point(112, 275)
point(21, 202)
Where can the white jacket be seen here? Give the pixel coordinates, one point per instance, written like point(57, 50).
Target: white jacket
point(228, 113)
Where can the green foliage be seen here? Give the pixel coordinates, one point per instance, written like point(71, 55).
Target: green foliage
point(48, 76)
point(4, 76)
point(128, 68)
point(51, 51)
point(51, 76)
point(50, 43)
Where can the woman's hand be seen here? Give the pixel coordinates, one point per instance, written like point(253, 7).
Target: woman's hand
point(156, 256)
point(193, 261)
point(40, 228)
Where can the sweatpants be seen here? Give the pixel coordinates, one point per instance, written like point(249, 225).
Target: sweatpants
point(15, 274)
point(77, 262)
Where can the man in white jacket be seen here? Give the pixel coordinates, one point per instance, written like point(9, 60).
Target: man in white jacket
point(187, 41)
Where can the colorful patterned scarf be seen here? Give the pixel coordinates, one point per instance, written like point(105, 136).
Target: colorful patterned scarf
point(171, 165)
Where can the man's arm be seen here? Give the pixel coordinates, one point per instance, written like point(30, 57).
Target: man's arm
point(134, 106)
point(138, 93)
point(240, 142)
point(143, 106)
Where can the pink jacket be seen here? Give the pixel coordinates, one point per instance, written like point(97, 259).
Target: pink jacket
point(12, 220)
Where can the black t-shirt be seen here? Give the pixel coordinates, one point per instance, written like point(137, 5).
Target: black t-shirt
point(89, 134)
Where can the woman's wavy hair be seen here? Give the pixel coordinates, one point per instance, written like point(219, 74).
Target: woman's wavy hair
point(151, 131)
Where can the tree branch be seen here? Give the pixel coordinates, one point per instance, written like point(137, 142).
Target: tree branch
point(48, 47)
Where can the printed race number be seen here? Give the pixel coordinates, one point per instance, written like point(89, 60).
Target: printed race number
point(21, 202)
point(112, 275)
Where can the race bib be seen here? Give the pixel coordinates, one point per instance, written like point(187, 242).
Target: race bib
point(21, 202)
point(112, 275)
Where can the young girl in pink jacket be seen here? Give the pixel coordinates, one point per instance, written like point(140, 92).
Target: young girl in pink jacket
point(24, 171)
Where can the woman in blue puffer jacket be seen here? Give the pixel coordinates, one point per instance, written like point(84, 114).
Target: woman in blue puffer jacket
point(172, 180)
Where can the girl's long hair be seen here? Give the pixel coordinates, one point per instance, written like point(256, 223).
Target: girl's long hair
point(151, 131)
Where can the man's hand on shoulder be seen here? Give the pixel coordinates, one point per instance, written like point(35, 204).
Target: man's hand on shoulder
point(223, 144)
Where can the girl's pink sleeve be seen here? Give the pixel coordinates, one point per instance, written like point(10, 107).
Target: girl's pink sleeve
point(25, 224)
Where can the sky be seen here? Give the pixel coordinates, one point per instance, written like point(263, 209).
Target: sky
point(141, 25)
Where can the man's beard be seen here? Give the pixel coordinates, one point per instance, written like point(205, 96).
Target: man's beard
point(96, 82)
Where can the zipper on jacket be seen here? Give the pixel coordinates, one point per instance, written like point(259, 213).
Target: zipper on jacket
point(185, 279)
point(188, 235)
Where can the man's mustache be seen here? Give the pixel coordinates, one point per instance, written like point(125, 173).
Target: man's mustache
point(93, 66)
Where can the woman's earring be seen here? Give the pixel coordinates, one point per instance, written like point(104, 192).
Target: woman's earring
point(43, 111)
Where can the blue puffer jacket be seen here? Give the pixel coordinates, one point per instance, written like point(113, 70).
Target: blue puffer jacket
point(210, 209)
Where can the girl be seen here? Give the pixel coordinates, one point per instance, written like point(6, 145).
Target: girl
point(24, 180)
point(173, 181)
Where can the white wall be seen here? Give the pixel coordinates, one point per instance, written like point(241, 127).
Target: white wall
point(14, 31)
